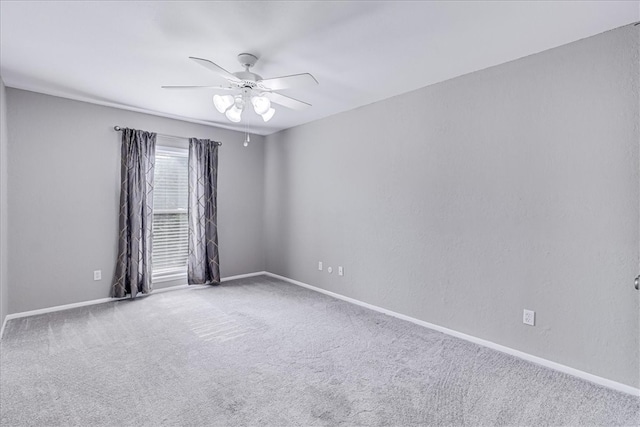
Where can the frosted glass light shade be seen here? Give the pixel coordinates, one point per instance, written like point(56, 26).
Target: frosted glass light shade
point(267, 116)
point(260, 104)
point(222, 102)
point(234, 114)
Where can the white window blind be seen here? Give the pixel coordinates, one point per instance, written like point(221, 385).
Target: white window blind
point(170, 224)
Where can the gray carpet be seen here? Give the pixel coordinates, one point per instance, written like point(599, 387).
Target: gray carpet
point(261, 352)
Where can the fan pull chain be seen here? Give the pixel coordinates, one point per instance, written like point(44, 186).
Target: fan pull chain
point(247, 139)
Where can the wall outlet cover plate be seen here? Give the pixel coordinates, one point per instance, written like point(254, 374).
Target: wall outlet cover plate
point(529, 317)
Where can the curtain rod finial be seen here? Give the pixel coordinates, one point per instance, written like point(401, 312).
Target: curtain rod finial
point(117, 128)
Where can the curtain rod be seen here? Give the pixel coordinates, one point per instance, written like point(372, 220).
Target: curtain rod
point(118, 129)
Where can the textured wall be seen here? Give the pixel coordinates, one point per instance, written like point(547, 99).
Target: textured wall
point(4, 139)
point(465, 202)
point(64, 192)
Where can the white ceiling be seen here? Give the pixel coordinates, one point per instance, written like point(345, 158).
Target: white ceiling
point(120, 53)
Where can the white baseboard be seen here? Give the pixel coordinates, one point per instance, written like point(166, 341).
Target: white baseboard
point(243, 276)
point(53, 309)
point(517, 353)
point(103, 300)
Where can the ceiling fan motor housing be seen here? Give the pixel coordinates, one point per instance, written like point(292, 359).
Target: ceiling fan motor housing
point(247, 78)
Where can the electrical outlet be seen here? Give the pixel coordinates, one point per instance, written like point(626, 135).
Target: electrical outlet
point(340, 271)
point(97, 275)
point(320, 265)
point(529, 317)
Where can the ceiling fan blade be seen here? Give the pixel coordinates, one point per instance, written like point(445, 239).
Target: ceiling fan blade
point(286, 101)
point(198, 87)
point(287, 82)
point(216, 69)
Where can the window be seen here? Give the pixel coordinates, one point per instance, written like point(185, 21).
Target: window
point(170, 222)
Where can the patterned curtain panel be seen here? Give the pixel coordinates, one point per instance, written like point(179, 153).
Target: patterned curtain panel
point(133, 267)
point(203, 263)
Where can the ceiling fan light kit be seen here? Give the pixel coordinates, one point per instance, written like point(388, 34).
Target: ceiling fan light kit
point(267, 116)
point(222, 102)
point(260, 104)
point(233, 107)
point(251, 88)
point(234, 114)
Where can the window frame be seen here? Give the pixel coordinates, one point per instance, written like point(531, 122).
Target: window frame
point(176, 273)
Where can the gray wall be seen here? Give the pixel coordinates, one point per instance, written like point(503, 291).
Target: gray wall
point(64, 173)
point(4, 140)
point(465, 202)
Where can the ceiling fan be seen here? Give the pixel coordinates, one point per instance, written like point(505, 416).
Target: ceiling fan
point(251, 88)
